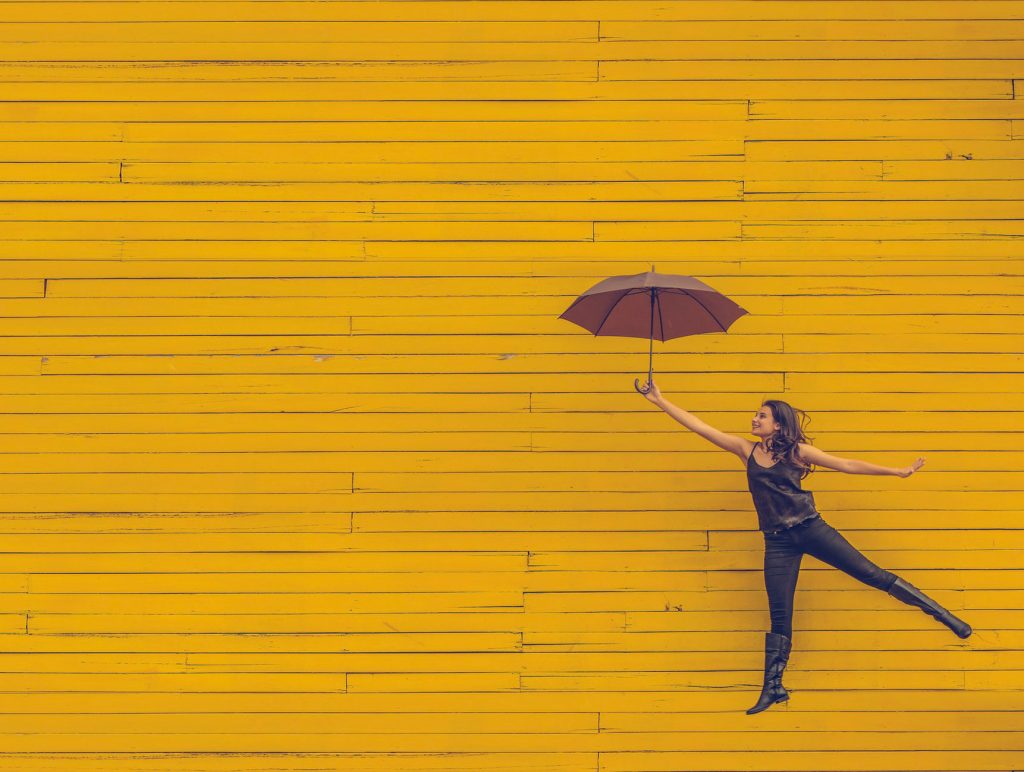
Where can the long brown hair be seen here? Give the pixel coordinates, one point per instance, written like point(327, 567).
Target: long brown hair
point(783, 443)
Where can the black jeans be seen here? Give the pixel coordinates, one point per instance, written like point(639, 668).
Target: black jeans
point(782, 554)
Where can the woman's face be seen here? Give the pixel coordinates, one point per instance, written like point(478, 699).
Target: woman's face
point(763, 423)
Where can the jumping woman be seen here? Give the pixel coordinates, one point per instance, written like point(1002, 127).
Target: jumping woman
point(792, 526)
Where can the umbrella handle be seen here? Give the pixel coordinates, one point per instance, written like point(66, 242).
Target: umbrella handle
point(641, 389)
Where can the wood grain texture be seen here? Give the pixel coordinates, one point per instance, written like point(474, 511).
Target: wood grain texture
point(303, 472)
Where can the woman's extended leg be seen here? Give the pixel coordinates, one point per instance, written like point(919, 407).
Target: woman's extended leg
point(824, 542)
point(828, 545)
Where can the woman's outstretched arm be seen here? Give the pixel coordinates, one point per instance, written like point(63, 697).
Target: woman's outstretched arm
point(813, 455)
point(729, 442)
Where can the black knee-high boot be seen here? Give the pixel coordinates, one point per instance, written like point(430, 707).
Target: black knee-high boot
point(776, 655)
point(912, 596)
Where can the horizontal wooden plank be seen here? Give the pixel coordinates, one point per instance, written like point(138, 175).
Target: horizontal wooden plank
point(244, 522)
point(537, 481)
point(486, 70)
point(390, 31)
point(373, 317)
point(533, 170)
point(981, 585)
point(738, 602)
point(115, 28)
point(502, 10)
point(384, 158)
point(536, 363)
point(885, 190)
point(569, 217)
point(293, 623)
point(442, 229)
point(739, 529)
point(859, 229)
point(800, 761)
point(313, 41)
point(837, 129)
point(427, 382)
point(449, 258)
point(15, 288)
point(737, 518)
point(904, 618)
point(469, 663)
point(475, 190)
point(344, 542)
point(262, 81)
point(498, 286)
point(824, 69)
point(462, 723)
point(320, 100)
point(958, 326)
point(341, 705)
point(895, 29)
point(824, 641)
point(739, 681)
point(381, 641)
point(522, 745)
point(666, 520)
point(266, 682)
point(516, 214)
point(132, 483)
point(904, 643)
point(736, 500)
point(563, 428)
point(311, 583)
point(348, 345)
point(220, 761)
point(403, 465)
point(580, 42)
point(959, 169)
point(849, 704)
point(567, 100)
point(749, 559)
point(847, 109)
point(258, 604)
point(946, 149)
point(453, 724)
point(741, 604)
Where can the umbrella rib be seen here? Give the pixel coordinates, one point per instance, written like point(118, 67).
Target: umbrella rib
point(713, 318)
point(661, 321)
point(610, 309)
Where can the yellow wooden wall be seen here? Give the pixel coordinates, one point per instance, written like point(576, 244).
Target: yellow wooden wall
point(303, 472)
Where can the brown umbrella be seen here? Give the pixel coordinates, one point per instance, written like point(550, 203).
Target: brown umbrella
point(652, 305)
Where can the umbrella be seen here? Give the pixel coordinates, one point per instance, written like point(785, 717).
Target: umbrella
point(652, 305)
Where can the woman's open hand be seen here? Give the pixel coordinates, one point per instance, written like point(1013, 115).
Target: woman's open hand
point(909, 470)
point(653, 394)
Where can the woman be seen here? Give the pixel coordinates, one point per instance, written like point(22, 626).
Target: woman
point(792, 526)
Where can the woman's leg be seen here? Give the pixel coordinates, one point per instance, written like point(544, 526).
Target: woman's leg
point(824, 542)
point(821, 540)
point(781, 567)
point(781, 570)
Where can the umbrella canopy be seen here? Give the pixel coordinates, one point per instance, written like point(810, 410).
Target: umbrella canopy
point(652, 305)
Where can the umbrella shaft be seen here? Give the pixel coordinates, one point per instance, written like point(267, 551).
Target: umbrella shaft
point(650, 363)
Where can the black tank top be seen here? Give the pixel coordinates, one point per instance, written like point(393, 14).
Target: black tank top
point(778, 498)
